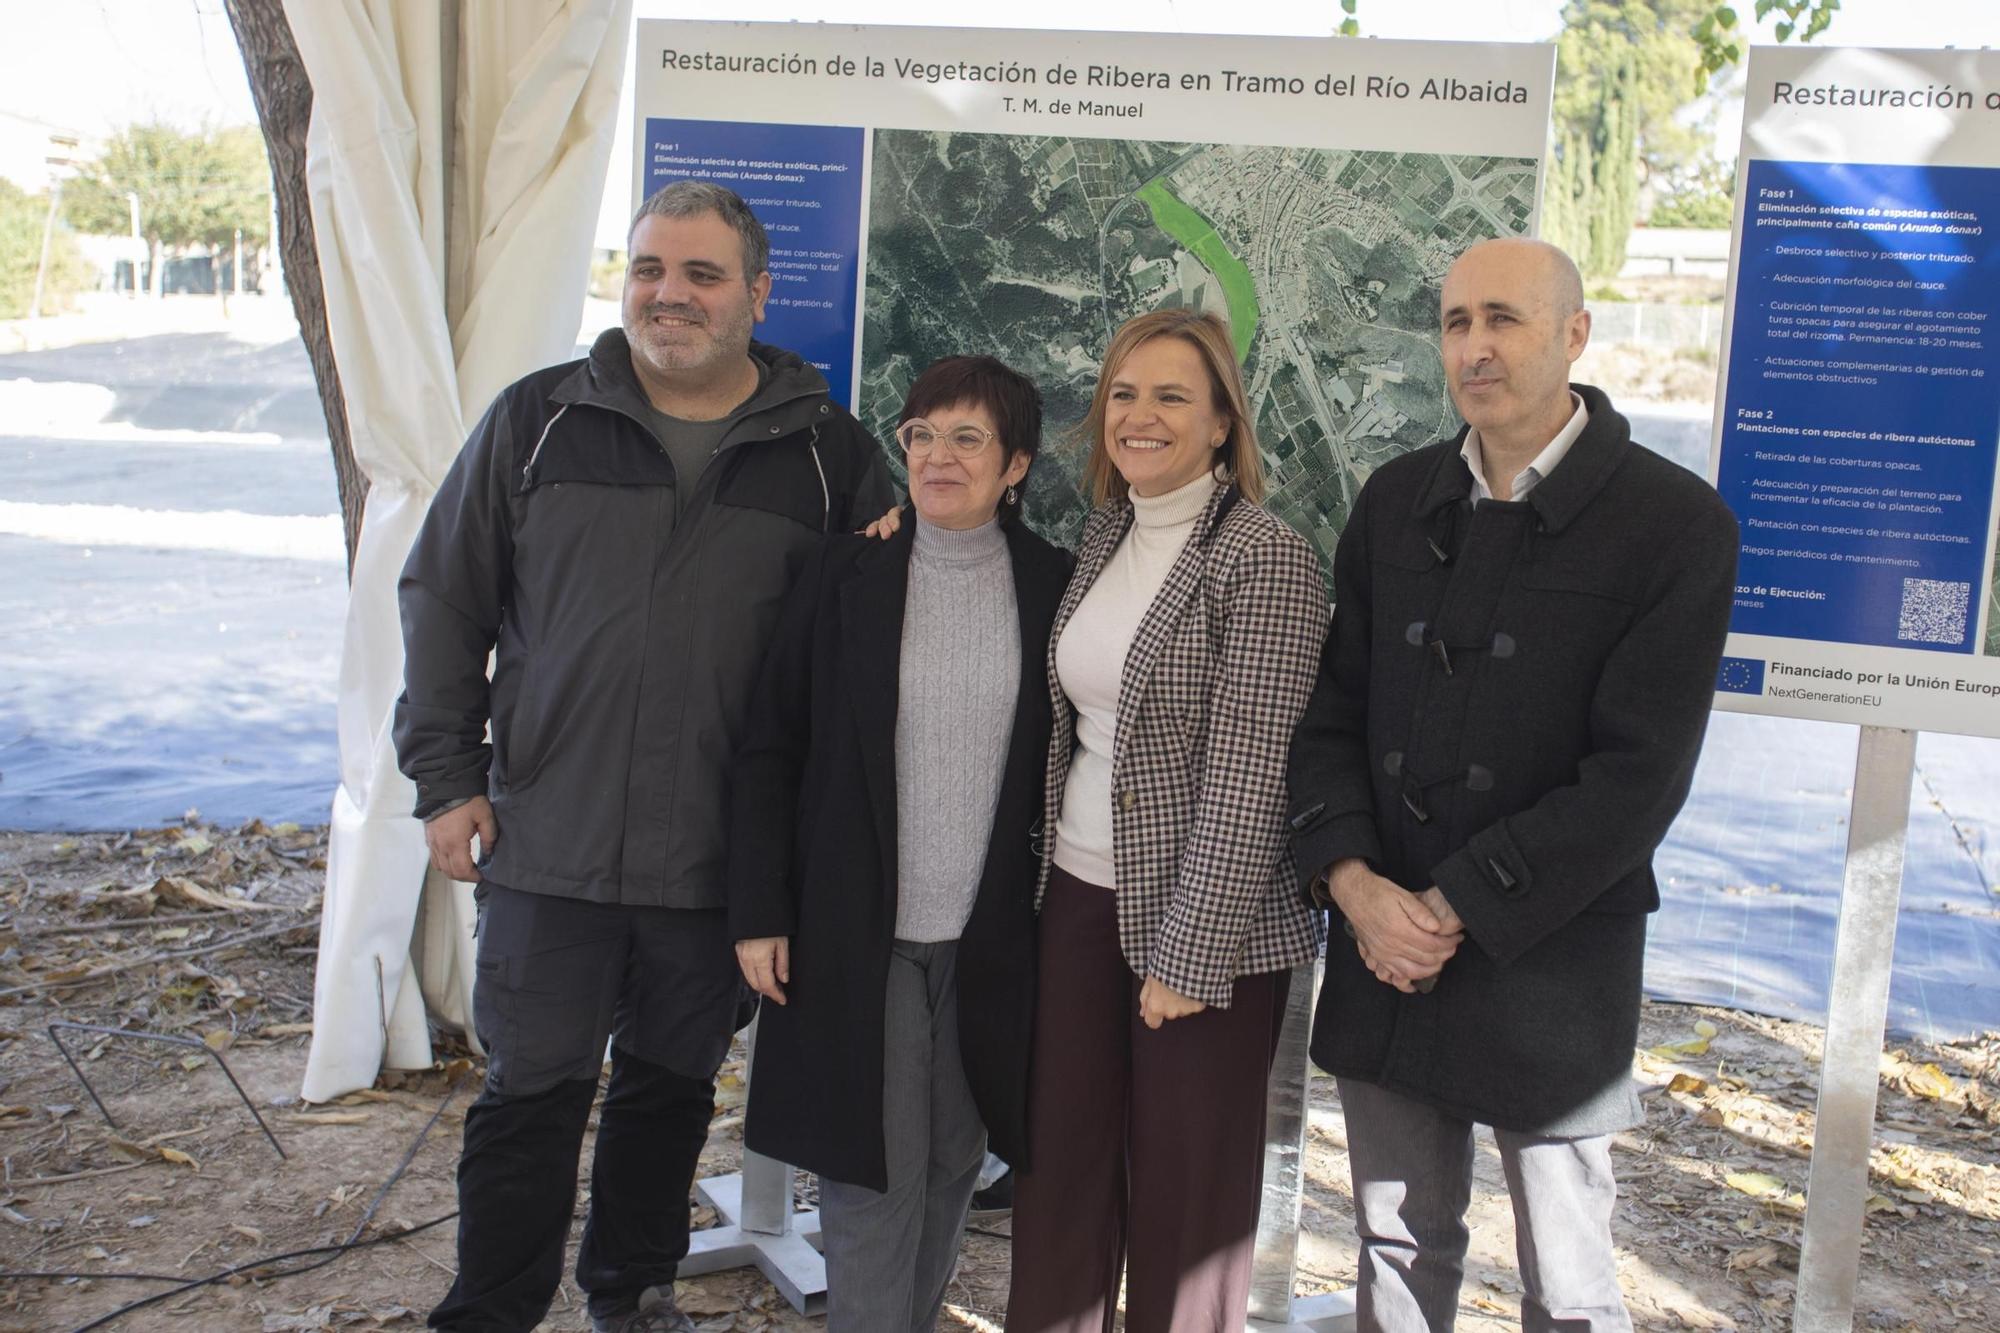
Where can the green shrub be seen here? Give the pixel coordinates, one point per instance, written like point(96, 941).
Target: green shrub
point(22, 216)
point(1705, 208)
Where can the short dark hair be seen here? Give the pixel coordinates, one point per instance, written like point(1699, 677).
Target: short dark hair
point(693, 198)
point(1010, 397)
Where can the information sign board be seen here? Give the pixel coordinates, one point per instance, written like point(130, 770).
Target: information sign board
point(932, 191)
point(1858, 424)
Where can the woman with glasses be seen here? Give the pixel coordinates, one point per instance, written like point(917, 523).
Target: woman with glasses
point(881, 873)
point(1170, 919)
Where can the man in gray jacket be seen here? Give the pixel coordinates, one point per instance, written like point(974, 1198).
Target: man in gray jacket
point(618, 534)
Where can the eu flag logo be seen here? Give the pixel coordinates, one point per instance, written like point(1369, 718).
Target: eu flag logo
point(1741, 675)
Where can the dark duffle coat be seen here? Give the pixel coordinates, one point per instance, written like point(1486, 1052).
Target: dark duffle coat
point(813, 857)
point(1510, 708)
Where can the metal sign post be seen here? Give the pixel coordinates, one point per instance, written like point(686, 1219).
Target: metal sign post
point(758, 1226)
point(1857, 1014)
point(1821, 627)
point(1274, 1268)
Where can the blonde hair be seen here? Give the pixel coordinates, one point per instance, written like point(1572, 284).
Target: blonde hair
point(1238, 454)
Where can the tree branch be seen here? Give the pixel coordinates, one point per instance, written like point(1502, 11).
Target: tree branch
point(284, 99)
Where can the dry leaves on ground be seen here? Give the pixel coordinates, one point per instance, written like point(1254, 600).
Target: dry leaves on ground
point(210, 934)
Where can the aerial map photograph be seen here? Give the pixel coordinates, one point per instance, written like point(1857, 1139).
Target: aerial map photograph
point(1326, 263)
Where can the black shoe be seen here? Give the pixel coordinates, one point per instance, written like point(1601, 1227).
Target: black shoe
point(655, 1313)
point(995, 1201)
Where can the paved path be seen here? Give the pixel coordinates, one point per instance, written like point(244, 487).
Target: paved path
point(197, 671)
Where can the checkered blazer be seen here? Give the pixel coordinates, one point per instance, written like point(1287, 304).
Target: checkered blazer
point(1217, 675)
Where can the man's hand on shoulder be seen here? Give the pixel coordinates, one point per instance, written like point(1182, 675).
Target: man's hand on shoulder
point(885, 527)
point(449, 837)
point(1401, 939)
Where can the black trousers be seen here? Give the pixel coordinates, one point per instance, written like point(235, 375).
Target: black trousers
point(555, 979)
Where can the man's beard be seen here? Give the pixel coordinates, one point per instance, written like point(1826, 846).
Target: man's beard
point(672, 349)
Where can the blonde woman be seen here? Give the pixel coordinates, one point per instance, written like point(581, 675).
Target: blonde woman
point(1182, 654)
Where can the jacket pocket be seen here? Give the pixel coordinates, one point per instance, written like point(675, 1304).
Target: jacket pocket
point(777, 478)
point(1605, 580)
point(1570, 615)
point(526, 746)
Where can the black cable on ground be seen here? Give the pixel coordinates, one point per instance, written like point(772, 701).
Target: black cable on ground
point(331, 1252)
point(250, 1266)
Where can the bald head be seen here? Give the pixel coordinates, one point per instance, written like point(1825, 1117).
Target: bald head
point(1543, 266)
point(1513, 322)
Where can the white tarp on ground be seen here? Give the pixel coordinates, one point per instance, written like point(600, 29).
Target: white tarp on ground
point(439, 292)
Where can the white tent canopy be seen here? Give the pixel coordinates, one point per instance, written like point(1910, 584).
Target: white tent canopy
point(454, 159)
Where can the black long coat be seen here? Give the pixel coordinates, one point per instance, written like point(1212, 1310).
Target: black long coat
point(813, 857)
point(1510, 707)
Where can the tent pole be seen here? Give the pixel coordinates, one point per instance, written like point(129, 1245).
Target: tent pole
point(449, 16)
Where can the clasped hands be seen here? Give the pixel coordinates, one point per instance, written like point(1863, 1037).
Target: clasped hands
point(1404, 938)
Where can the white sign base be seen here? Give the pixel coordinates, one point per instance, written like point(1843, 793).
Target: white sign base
point(759, 1227)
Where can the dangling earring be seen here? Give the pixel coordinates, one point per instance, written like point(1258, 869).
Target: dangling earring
point(1012, 497)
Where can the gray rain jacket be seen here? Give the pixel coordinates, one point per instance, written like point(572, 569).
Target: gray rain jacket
point(625, 641)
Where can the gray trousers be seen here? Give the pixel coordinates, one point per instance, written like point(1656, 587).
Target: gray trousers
point(1412, 1169)
point(889, 1255)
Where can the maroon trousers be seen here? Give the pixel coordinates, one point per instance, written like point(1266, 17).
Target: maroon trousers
point(1148, 1146)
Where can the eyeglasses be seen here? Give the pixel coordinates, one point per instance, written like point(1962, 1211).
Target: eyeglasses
point(965, 440)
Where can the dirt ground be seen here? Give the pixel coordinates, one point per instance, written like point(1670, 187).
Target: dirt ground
point(208, 935)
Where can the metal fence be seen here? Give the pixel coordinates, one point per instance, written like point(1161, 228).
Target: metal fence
point(1656, 324)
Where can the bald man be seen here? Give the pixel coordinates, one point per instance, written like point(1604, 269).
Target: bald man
point(1526, 629)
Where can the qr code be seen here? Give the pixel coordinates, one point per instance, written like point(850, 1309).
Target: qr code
point(1933, 611)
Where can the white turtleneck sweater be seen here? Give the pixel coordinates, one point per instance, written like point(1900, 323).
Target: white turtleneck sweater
point(1090, 663)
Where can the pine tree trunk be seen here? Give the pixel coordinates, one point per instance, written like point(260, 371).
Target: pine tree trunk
point(283, 94)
